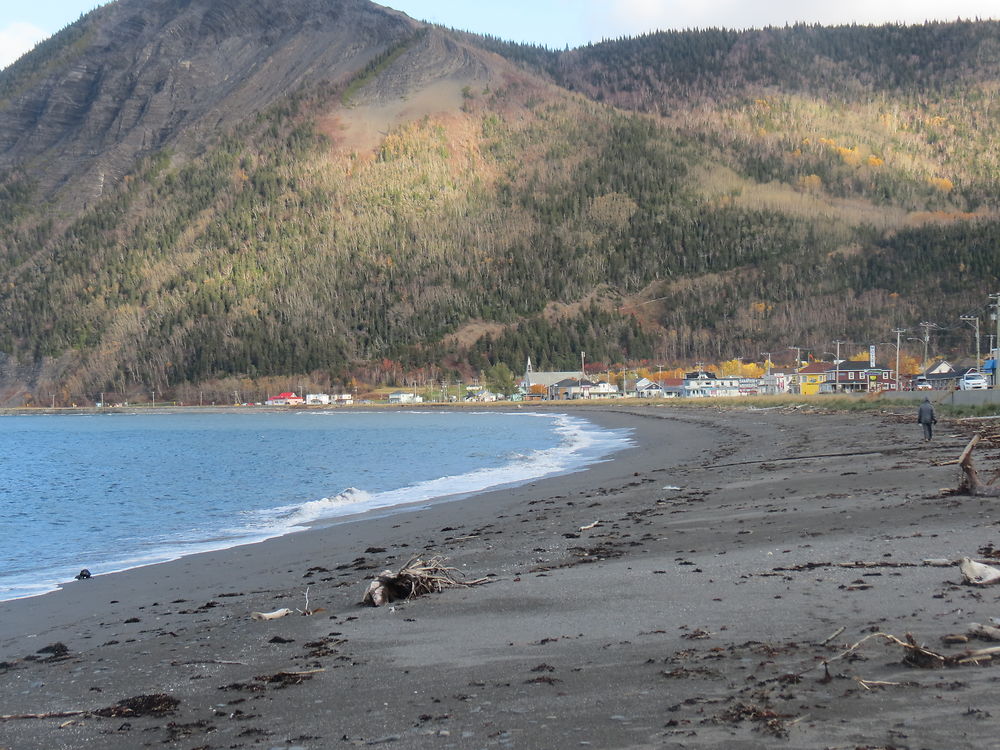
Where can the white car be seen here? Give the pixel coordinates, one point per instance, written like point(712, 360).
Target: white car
point(973, 381)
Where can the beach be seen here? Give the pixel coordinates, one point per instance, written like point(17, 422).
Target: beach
point(705, 588)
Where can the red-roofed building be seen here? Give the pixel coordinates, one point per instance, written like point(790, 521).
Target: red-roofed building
point(288, 398)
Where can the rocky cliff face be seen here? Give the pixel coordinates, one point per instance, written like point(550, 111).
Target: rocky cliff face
point(144, 74)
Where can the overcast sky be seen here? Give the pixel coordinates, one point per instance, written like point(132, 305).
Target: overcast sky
point(558, 23)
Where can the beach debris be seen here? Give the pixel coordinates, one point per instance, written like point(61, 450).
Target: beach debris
point(970, 483)
point(415, 578)
point(55, 651)
point(953, 638)
point(984, 632)
point(305, 611)
point(275, 615)
point(832, 635)
point(764, 719)
point(157, 704)
point(978, 574)
point(82, 575)
point(922, 657)
point(590, 526)
point(285, 678)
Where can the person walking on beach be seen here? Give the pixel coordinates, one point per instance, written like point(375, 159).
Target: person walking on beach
point(925, 416)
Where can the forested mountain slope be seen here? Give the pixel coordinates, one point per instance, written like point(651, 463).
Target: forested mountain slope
point(328, 189)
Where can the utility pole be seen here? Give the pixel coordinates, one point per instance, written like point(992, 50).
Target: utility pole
point(836, 366)
point(899, 332)
point(975, 321)
point(798, 355)
point(583, 365)
point(996, 357)
point(767, 362)
point(927, 339)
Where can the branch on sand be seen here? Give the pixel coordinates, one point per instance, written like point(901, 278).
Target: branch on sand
point(415, 579)
point(970, 483)
point(923, 657)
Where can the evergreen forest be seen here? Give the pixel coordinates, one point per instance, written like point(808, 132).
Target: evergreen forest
point(667, 199)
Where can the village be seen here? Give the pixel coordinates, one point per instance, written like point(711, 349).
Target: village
point(839, 376)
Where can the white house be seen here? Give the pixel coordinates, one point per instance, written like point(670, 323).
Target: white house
point(776, 382)
point(404, 397)
point(317, 399)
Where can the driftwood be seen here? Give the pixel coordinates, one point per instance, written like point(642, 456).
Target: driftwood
point(984, 632)
point(415, 579)
point(285, 611)
point(978, 574)
point(923, 657)
point(970, 483)
point(278, 613)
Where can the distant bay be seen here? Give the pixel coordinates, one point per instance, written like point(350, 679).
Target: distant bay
point(113, 491)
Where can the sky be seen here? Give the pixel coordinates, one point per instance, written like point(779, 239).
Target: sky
point(560, 23)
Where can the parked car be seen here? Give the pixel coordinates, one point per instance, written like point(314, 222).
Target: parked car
point(922, 384)
point(973, 381)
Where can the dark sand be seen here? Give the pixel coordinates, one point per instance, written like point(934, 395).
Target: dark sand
point(696, 617)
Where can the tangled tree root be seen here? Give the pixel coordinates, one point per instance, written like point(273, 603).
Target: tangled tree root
point(415, 579)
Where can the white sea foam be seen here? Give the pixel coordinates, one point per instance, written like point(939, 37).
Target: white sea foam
point(581, 444)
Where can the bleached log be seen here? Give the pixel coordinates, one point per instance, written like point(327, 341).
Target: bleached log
point(278, 613)
point(985, 632)
point(978, 574)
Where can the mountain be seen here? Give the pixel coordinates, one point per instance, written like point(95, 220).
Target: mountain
point(197, 194)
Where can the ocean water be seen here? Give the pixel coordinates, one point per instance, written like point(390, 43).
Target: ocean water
point(109, 492)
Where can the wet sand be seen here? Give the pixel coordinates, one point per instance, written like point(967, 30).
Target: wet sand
point(735, 552)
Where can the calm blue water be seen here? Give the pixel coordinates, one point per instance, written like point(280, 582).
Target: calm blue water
point(113, 491)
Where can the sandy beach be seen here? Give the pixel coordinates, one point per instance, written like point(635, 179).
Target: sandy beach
point(730, 561)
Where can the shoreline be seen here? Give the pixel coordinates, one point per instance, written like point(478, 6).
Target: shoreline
point(621, 613)
point(404, 499)
point(311, 536)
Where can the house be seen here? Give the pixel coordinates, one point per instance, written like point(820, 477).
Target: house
point(317, 399)
point(570, 388)
point(730, 386)
point(343, 399)
point(603, 389)
point(701, 384)
point(850, 376)
point(482, 395)
point(646, 388)
point(776, 382)
point(285, 399)
point(812, 377)
point(404, 397)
